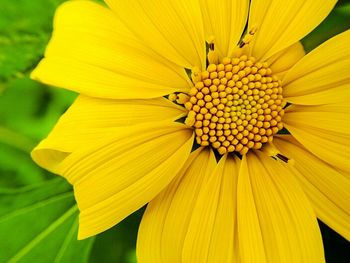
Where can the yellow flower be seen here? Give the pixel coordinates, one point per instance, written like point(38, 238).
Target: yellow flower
point(248, 193)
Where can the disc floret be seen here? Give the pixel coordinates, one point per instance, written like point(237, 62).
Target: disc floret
point(236, 105)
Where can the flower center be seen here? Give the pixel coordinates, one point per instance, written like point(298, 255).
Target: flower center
point(236, 105)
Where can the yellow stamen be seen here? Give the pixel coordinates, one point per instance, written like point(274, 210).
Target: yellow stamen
point(248, 37)
point(213, 56)
point(271, 150)
point(182, 98)
point(172, 97)
point(196, 74)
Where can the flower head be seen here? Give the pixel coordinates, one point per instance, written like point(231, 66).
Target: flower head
point(209, 111)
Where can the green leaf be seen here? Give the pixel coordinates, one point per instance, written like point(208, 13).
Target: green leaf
point(17, 168)
point(25, 28)
point(342, 2)
point(14, 149)
point(345, 9)
point(118, 243)
point(28, 111)
point(39, 224)
point(337, 22)
point(32, 109)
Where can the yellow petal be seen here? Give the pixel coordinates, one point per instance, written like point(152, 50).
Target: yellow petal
point(211, 231)
point(115, 178)
point(281, 23)
point(225, 21)
point(251, 245)
point(326, 188)
point(324, 130)
point(276, 222)
point(284, 60)
point(89, 120)
point(174, 29)
point(94, 54)
point(330, 117)
point(322, 76)
point(172, 210)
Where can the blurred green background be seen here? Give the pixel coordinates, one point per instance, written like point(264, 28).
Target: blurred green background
point(38, 215)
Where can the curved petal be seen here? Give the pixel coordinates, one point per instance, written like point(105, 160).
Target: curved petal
point(324, 130)
point(279, 23)
point(173, 29)
point(276, 222)
point(94, 54)
point(172, 210)
point(224, 21)
point(211, 231)
point(115, 178)
point(89, 120)
point(326, 188)
point(284, 60)
point(322, 76)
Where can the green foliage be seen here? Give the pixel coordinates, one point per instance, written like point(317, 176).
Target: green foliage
point(24, 27)
point(118, 244)
point(40, 223)
point(17, 169)
point(337, 22)
point(31, 108)
point(28, 111)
